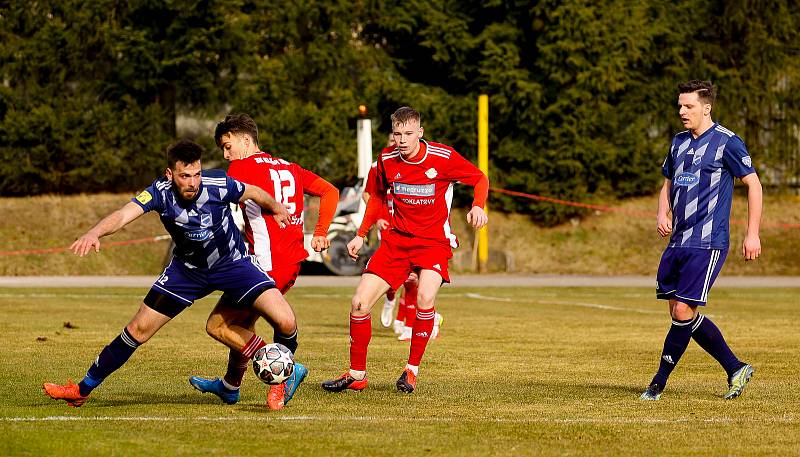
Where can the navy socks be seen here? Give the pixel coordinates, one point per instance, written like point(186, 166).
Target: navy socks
point(675, 345)
point(289, 341)
point(708, 336)
point(110, 359)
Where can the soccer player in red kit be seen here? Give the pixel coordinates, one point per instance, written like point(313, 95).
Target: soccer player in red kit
point(278, 251)
point(407, 305)
point(420, 176)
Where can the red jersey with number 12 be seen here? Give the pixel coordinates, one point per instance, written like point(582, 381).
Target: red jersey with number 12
point(285, 181)
point(422, 189)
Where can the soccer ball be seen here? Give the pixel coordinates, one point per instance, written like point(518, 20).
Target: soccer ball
point(273, 363)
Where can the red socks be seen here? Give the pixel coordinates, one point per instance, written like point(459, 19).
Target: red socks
point(252, 346)
point(237, 366)
point(360, 335)
point(420, 334)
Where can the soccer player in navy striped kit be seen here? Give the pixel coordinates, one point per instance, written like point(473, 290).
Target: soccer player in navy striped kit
point(698, 189)
point(209, 255)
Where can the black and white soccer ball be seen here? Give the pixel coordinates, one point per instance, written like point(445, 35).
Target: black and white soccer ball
point(273, 363)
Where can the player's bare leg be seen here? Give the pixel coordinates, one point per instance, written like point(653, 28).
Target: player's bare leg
point(235, 328)
point(369, 290)
point(227, 388)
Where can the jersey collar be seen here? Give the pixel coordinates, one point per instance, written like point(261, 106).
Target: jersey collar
point(423, 149)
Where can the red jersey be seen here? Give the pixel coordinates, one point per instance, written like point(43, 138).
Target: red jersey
point(370, 188)
point(286, 182)
point(422, 189)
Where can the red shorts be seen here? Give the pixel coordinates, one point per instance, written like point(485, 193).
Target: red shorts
point(285, 276)
point(399, 254)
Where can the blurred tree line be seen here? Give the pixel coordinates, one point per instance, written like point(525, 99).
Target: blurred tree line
point(582, 94)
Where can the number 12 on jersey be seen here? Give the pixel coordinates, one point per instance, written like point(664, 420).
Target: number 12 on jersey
point(285, 188)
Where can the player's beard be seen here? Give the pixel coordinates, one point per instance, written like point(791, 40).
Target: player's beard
point(188, 194)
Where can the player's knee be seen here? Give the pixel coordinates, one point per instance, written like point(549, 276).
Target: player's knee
point(139, 332)
point(682, 311)
point(215, 327)
point(425, 300)
point(286, 325)
point(358, 305)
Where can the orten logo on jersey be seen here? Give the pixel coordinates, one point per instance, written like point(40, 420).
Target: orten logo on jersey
point(686, 179)
point(199, 235)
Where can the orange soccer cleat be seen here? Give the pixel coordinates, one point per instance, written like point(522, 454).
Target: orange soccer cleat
point(275, 397)
point(68, 392)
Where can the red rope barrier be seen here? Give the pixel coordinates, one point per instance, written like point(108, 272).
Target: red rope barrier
point(63, 249)
point(641, 214)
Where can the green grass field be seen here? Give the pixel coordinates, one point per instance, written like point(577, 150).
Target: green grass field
point(517, 371)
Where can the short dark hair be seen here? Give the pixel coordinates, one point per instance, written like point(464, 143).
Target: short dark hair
point(705, 90)
point(236, 124)
point(185, 151)
point(404, 114)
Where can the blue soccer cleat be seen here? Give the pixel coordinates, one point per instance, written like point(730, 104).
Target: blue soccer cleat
point(216, 387)
point(293, 382)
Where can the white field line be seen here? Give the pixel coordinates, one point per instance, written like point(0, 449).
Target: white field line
point(471, 295)
point(786, 419)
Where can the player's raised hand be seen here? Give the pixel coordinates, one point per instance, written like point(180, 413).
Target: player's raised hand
point(354, 246)
point(664, 225)
point(84, 244)
point(477, 217)
point(320, 243)
point(751, 247)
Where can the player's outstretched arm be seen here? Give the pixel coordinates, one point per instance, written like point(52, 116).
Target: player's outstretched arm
point(328, 199)
point(664, 221)
point(476, 216)
point(108, 225)
point(265, 201)
point(751, 247)
point(374, 206)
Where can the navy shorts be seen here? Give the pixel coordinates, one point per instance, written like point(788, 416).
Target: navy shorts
point(241, 281)
point(687, 274)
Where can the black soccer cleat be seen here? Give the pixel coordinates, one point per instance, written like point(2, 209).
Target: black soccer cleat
point(344, 382)
point(407, 382)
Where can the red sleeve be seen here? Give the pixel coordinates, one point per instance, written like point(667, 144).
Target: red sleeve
point(371, 185)
point(328, 199)
point(374, 207)
point(481, 191)
point(464, 171)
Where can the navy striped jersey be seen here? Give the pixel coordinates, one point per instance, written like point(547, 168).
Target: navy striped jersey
point(203, 229)
point(702, 170)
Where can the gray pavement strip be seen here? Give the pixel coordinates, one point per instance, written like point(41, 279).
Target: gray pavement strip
point(466, 280)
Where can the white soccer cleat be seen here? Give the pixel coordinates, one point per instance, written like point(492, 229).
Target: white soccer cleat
point(398, 327)
point(437, 322)
point(387, 314)
point(406, 335)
